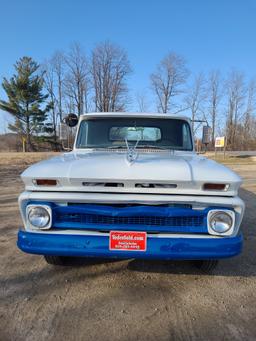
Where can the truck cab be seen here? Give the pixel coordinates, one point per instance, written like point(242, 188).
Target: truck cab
point(132, 187)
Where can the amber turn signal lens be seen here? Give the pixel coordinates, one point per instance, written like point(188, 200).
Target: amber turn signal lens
point(215, 187)
point(45, 182)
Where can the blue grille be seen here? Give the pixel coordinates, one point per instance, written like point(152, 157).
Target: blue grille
point(138, 218)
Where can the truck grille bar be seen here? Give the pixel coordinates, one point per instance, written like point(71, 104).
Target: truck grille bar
point(137, 218)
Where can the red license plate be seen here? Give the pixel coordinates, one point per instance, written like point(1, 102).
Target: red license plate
point(127, 241)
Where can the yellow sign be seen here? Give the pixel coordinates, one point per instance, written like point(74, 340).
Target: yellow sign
point(24, 140)
point(220, 142)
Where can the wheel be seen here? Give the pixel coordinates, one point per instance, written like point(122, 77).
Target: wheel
point(206, 266)
point(55, 260)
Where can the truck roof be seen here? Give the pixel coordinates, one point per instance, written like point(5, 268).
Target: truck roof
point(133, 114)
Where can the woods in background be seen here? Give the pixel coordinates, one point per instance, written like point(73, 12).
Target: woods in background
point(39, 96)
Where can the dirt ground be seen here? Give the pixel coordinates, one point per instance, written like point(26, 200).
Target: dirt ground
point(123, 300)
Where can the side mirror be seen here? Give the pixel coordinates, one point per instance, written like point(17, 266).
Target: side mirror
point(207, 135)
point(66, 133)
point(71, 120)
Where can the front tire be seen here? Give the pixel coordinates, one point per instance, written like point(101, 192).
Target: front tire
point(207, 266)
point(55, 260)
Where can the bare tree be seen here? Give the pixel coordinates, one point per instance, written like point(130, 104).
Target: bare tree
point(77, 81)
point(236, 95)
point(195, 98)
point(142, 102)
point(110, 68)
point(214, 97)
point(248, 126)
point(168, 79)
point(49, 82)
point(58, 68)
point(54, 71)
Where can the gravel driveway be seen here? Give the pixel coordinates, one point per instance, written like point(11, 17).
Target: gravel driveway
point(122, 300)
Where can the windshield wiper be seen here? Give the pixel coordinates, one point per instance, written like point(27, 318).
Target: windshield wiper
point(154, 147)
point(115, 147)
point(136, 146)
point(102, 146)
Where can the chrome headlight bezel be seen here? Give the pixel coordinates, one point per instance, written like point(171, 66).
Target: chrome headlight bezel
point(48, 210)
point(214, 213)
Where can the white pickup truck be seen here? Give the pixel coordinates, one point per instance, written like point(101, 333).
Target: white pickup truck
point(132, 187)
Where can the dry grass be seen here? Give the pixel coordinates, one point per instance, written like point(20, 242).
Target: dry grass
point(19, 158)
point(16, 158)
point(232, 159)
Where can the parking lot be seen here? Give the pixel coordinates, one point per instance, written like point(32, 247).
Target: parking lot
point(123, 300)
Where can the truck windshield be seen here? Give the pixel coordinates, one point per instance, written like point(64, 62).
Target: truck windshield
point(146, 132)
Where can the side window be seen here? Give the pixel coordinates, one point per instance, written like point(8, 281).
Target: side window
point(82, 138)
point(186, 136)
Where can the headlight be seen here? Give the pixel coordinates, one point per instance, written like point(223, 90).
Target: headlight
point(221, 222)
point(39, 216)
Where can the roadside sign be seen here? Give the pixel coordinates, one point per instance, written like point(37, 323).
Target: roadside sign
point(220, 142)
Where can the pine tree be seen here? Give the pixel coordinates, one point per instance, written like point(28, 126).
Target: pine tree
point(25, 98)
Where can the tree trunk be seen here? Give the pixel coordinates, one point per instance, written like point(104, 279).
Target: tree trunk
point(28, 140)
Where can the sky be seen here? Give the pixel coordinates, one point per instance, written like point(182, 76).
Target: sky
point(216, 34)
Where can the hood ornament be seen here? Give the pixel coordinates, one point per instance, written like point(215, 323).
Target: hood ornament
point(132, 154)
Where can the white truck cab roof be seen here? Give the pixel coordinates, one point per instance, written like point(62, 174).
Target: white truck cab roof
point(134, 114)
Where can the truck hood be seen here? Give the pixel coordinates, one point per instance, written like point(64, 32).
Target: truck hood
point(152, 172)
